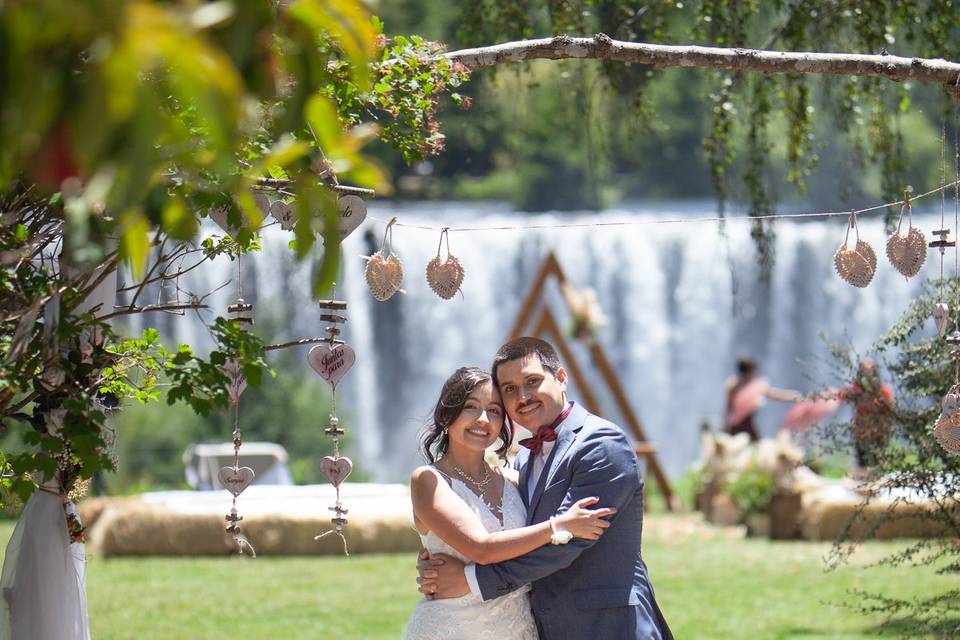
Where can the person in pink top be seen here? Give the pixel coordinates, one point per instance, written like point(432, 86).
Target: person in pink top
point(746, 393)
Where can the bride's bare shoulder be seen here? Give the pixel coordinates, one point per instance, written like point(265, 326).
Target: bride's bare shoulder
point(427, 479)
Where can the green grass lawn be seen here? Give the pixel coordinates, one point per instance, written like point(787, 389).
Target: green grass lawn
point(708, 589)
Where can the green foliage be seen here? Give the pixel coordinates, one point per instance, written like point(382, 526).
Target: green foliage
point(907, 459)
point(122, 124)
point(757, 130)
point(288, 409)
point(138, 112)
point(143, 110)
point(752, 490)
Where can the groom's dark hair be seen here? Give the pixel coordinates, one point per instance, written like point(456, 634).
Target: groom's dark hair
point(523, 347)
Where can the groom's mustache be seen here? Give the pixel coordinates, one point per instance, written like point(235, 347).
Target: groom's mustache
point(526, 404)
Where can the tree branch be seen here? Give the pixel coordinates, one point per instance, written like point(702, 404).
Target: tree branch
point(602, 47)
point(296, 343)
point(276, 183)
point(125, 311)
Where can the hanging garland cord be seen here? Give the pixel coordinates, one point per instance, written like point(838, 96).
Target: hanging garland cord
point(943, 142)
point(334, 431)
point(852, 224)
point(444, 234)
point(956, 191)
point(630, 223)
point(233, 518)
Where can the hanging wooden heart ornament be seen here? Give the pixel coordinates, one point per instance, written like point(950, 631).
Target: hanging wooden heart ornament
point(238, 381)
point(384, 272)
point(236, 480)
point(941, 316)
point(284, 213)
point(907, 252)
point(219, 215)
point(332, 363)
point(336, 470)
point(950, 405)
point(353, 211)
point(445, 277)
point(858, 265)
point(947, 433)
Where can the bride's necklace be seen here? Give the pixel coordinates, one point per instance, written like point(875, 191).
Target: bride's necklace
point(478, 484)
point(477, 488)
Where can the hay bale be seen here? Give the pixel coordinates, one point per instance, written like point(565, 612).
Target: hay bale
point(138, 529)
point(277, 521)
point(826, 520)
point(92, 508)
point(141, 530)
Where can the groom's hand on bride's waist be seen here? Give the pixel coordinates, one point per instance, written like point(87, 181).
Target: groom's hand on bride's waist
point(441, 576)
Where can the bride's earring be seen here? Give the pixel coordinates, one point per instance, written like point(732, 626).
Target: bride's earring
point(446, 432)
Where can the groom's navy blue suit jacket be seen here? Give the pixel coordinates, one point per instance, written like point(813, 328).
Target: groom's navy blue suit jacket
point(585, 589)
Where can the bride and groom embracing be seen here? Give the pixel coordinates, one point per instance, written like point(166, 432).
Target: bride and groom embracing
point(516, 554)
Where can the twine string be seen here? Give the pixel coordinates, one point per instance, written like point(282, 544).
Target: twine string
point(626, 223)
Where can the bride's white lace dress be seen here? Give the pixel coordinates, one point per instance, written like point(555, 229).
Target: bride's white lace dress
point(468, 617)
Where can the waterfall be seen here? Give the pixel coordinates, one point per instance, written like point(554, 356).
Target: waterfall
point(682, 303)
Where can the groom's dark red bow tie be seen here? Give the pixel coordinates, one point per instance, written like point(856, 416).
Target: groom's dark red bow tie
point(546, 433)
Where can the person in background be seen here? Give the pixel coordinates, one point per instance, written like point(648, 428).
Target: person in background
point(873, 412)
point(746, 393)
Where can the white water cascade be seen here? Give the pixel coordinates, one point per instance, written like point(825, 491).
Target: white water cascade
point(682, 304)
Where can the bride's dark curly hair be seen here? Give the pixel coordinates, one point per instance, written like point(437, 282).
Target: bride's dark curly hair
point(453, 396)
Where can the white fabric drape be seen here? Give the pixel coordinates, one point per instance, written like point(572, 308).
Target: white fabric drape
point(42, 589)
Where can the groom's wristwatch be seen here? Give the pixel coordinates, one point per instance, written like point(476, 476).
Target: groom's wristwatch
point(558, 537)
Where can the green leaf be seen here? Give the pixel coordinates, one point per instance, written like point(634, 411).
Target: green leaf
point(135, 244)
point(178, 222)
point(326, 274)
point(349, 24)
point(321, 115)
point(24, 488)
point(253, 373)
point(283, 153)
point(252, 214)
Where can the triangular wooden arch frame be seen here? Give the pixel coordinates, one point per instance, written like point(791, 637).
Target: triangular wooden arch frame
point(547, 326)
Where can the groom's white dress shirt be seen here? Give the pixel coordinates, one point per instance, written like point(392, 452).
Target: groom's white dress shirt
point(539, 461)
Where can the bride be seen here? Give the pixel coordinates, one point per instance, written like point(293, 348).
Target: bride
point(466, 509)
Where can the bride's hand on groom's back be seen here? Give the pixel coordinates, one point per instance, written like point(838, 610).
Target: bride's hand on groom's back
point(441, 576)
point(588, 524)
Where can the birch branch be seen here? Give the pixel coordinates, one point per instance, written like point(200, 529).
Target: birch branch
point(602, 47)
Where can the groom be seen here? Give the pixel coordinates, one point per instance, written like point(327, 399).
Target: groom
point(582, 589)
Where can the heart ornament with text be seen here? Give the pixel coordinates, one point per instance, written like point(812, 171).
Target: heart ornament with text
point(336, 470)
point(236, 480)
point(331, 362)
